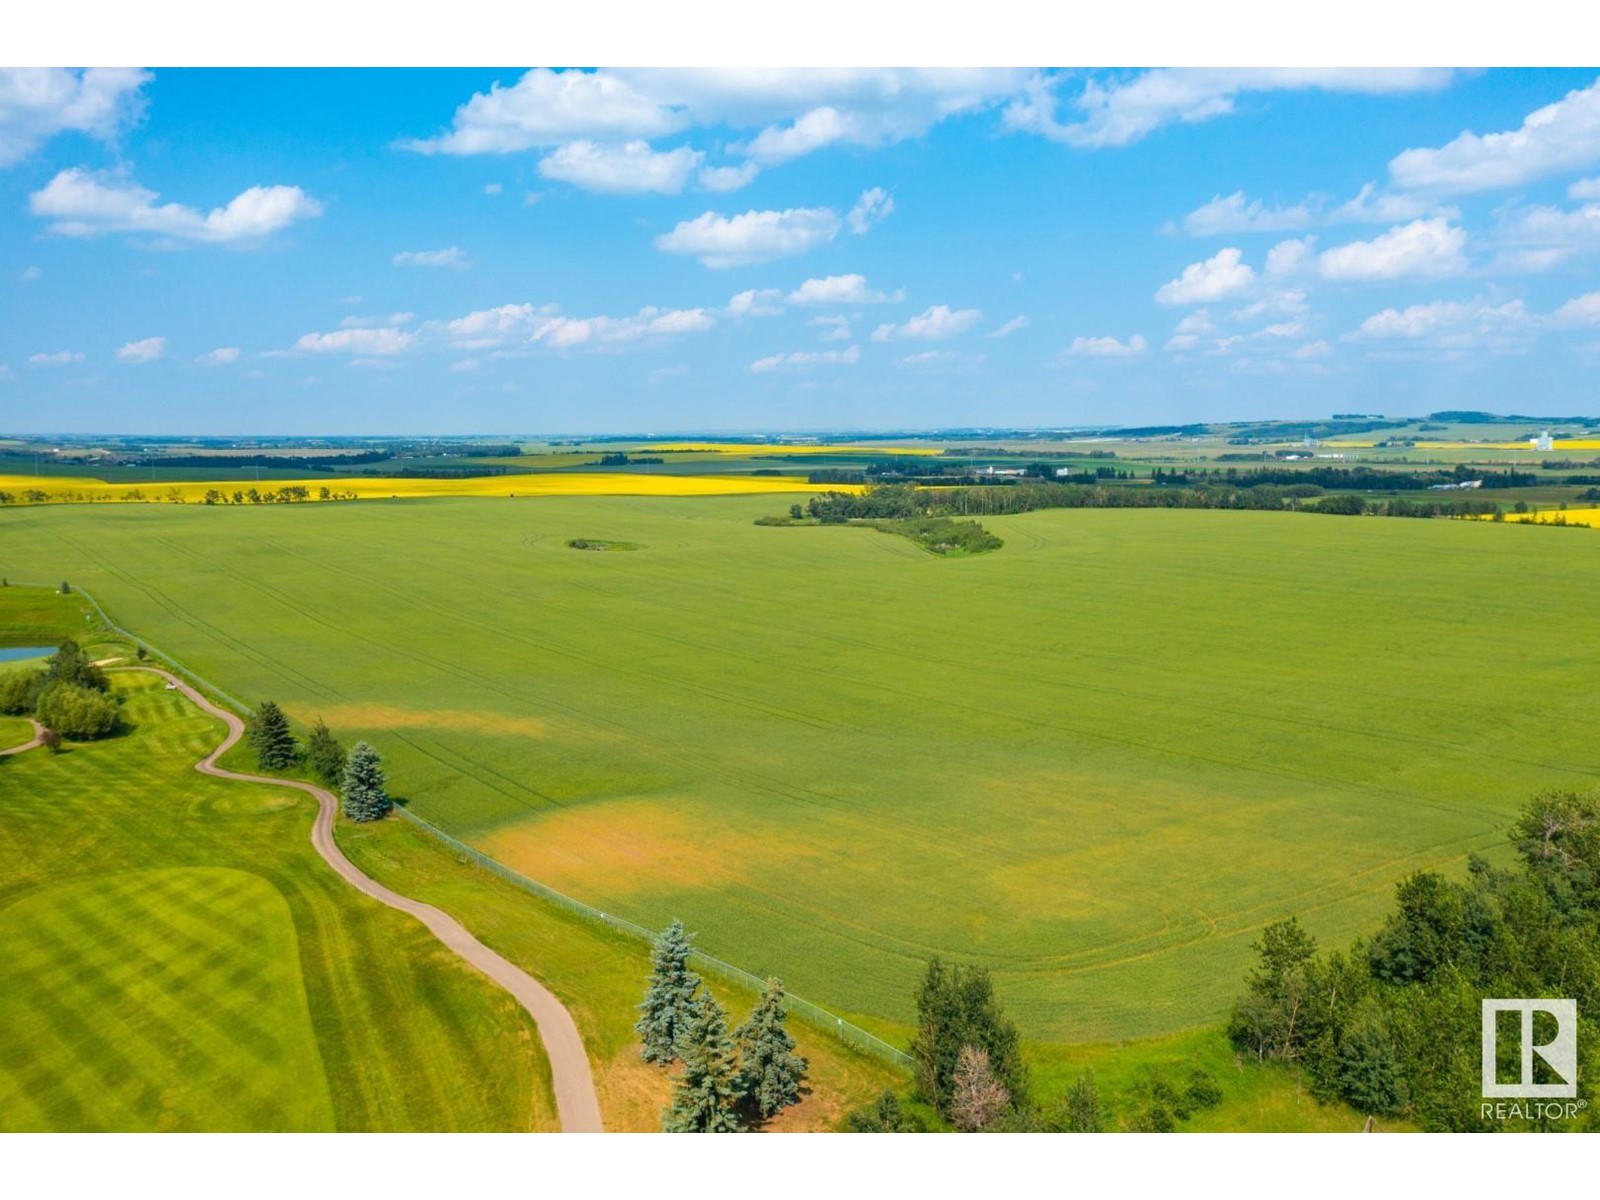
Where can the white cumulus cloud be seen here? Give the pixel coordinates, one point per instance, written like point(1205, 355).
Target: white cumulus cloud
point(1014, 325)
point(451, 257)
point(366, 342)
point(221, 356)
point(807, 358)
point(61, 358)
point(1238, 214)
point(143, 351)
point(874, 205)
point(1221, 275)
point(513, 326)
point(1563, 136)
point(36, 103)
point(935, 324)
point(840, 289)
point(1106, 347)
point(1424, 248)
point(720, 241)
point(1122, 111)
point(79, 203)
point(632, 167)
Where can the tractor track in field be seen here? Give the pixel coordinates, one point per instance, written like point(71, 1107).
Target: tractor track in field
point(576, 1103)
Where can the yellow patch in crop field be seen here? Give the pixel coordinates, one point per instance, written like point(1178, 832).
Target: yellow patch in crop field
point(1527, 444)
point(26, 489)
point(384, 716)
point(768, 449)
point(1569, 516)
point(630, 847)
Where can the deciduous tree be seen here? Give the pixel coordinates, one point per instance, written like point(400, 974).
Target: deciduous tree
point(977, 1097)
point(957, 1008)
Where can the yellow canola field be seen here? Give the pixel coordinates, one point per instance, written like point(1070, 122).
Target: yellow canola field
point(68, 490)
point(764, 449)
point(1558, 446)
point(1572, 516)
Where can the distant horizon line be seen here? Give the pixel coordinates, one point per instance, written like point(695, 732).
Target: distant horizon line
point(748, 434)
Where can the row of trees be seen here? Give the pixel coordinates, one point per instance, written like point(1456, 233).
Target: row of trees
point(357, 775)
point(727, 1081)
point(70, 697)
point(1393, 1025)
point(903, 501)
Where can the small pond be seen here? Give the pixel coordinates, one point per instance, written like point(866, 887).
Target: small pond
point(10, 654)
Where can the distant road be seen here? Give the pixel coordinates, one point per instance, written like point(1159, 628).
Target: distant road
point(576, 1103)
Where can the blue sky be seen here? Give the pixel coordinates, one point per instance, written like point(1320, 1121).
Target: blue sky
point(499, 250)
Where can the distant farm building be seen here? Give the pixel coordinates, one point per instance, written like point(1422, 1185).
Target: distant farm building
point(1544, 441)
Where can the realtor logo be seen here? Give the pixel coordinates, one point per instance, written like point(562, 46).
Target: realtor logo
point(1560, 1053)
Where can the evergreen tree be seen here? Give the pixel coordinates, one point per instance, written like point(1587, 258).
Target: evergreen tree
point(271, 739)
point(957, 1008)
point(705, 1095)
point(364, 796)
point(667, 1005)
point(325, 755)
point(770, 1072)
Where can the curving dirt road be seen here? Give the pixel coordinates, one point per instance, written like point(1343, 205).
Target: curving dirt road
point(576, 1103)
point(38, 733)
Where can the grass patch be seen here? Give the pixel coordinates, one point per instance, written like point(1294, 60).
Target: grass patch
point(599, 974)
point(1099, 761)
point(178, 957)
point(601, 544)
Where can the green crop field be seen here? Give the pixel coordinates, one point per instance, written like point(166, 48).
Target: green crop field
point(177, 958)
point(1098, 760)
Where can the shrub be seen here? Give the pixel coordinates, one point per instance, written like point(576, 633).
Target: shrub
point(50, 740)
point(76, 712)
point(19, 691)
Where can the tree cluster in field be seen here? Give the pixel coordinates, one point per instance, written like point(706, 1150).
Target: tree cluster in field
point(903, 501)
point(288, 494)
point(968, 1068)
point(1393, 1026)
point(70, 697)
point(1329, 478)
point(357, 775)
point(728, 1082)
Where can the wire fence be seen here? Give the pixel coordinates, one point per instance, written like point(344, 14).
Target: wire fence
point(814, 1014)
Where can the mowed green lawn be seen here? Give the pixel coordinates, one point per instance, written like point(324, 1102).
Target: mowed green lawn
point(1098, 760)
point(176, 957)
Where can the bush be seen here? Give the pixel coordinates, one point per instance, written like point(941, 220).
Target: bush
point(76, 712)
point(19, 691)
point(70, 664)
point(50, 740)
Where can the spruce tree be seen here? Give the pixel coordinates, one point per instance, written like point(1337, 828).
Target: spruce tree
point(770, 1072)
point(667, 1006)
point(271, 739)
point(364, 795)
point(325, 755)
point(705, 1095)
